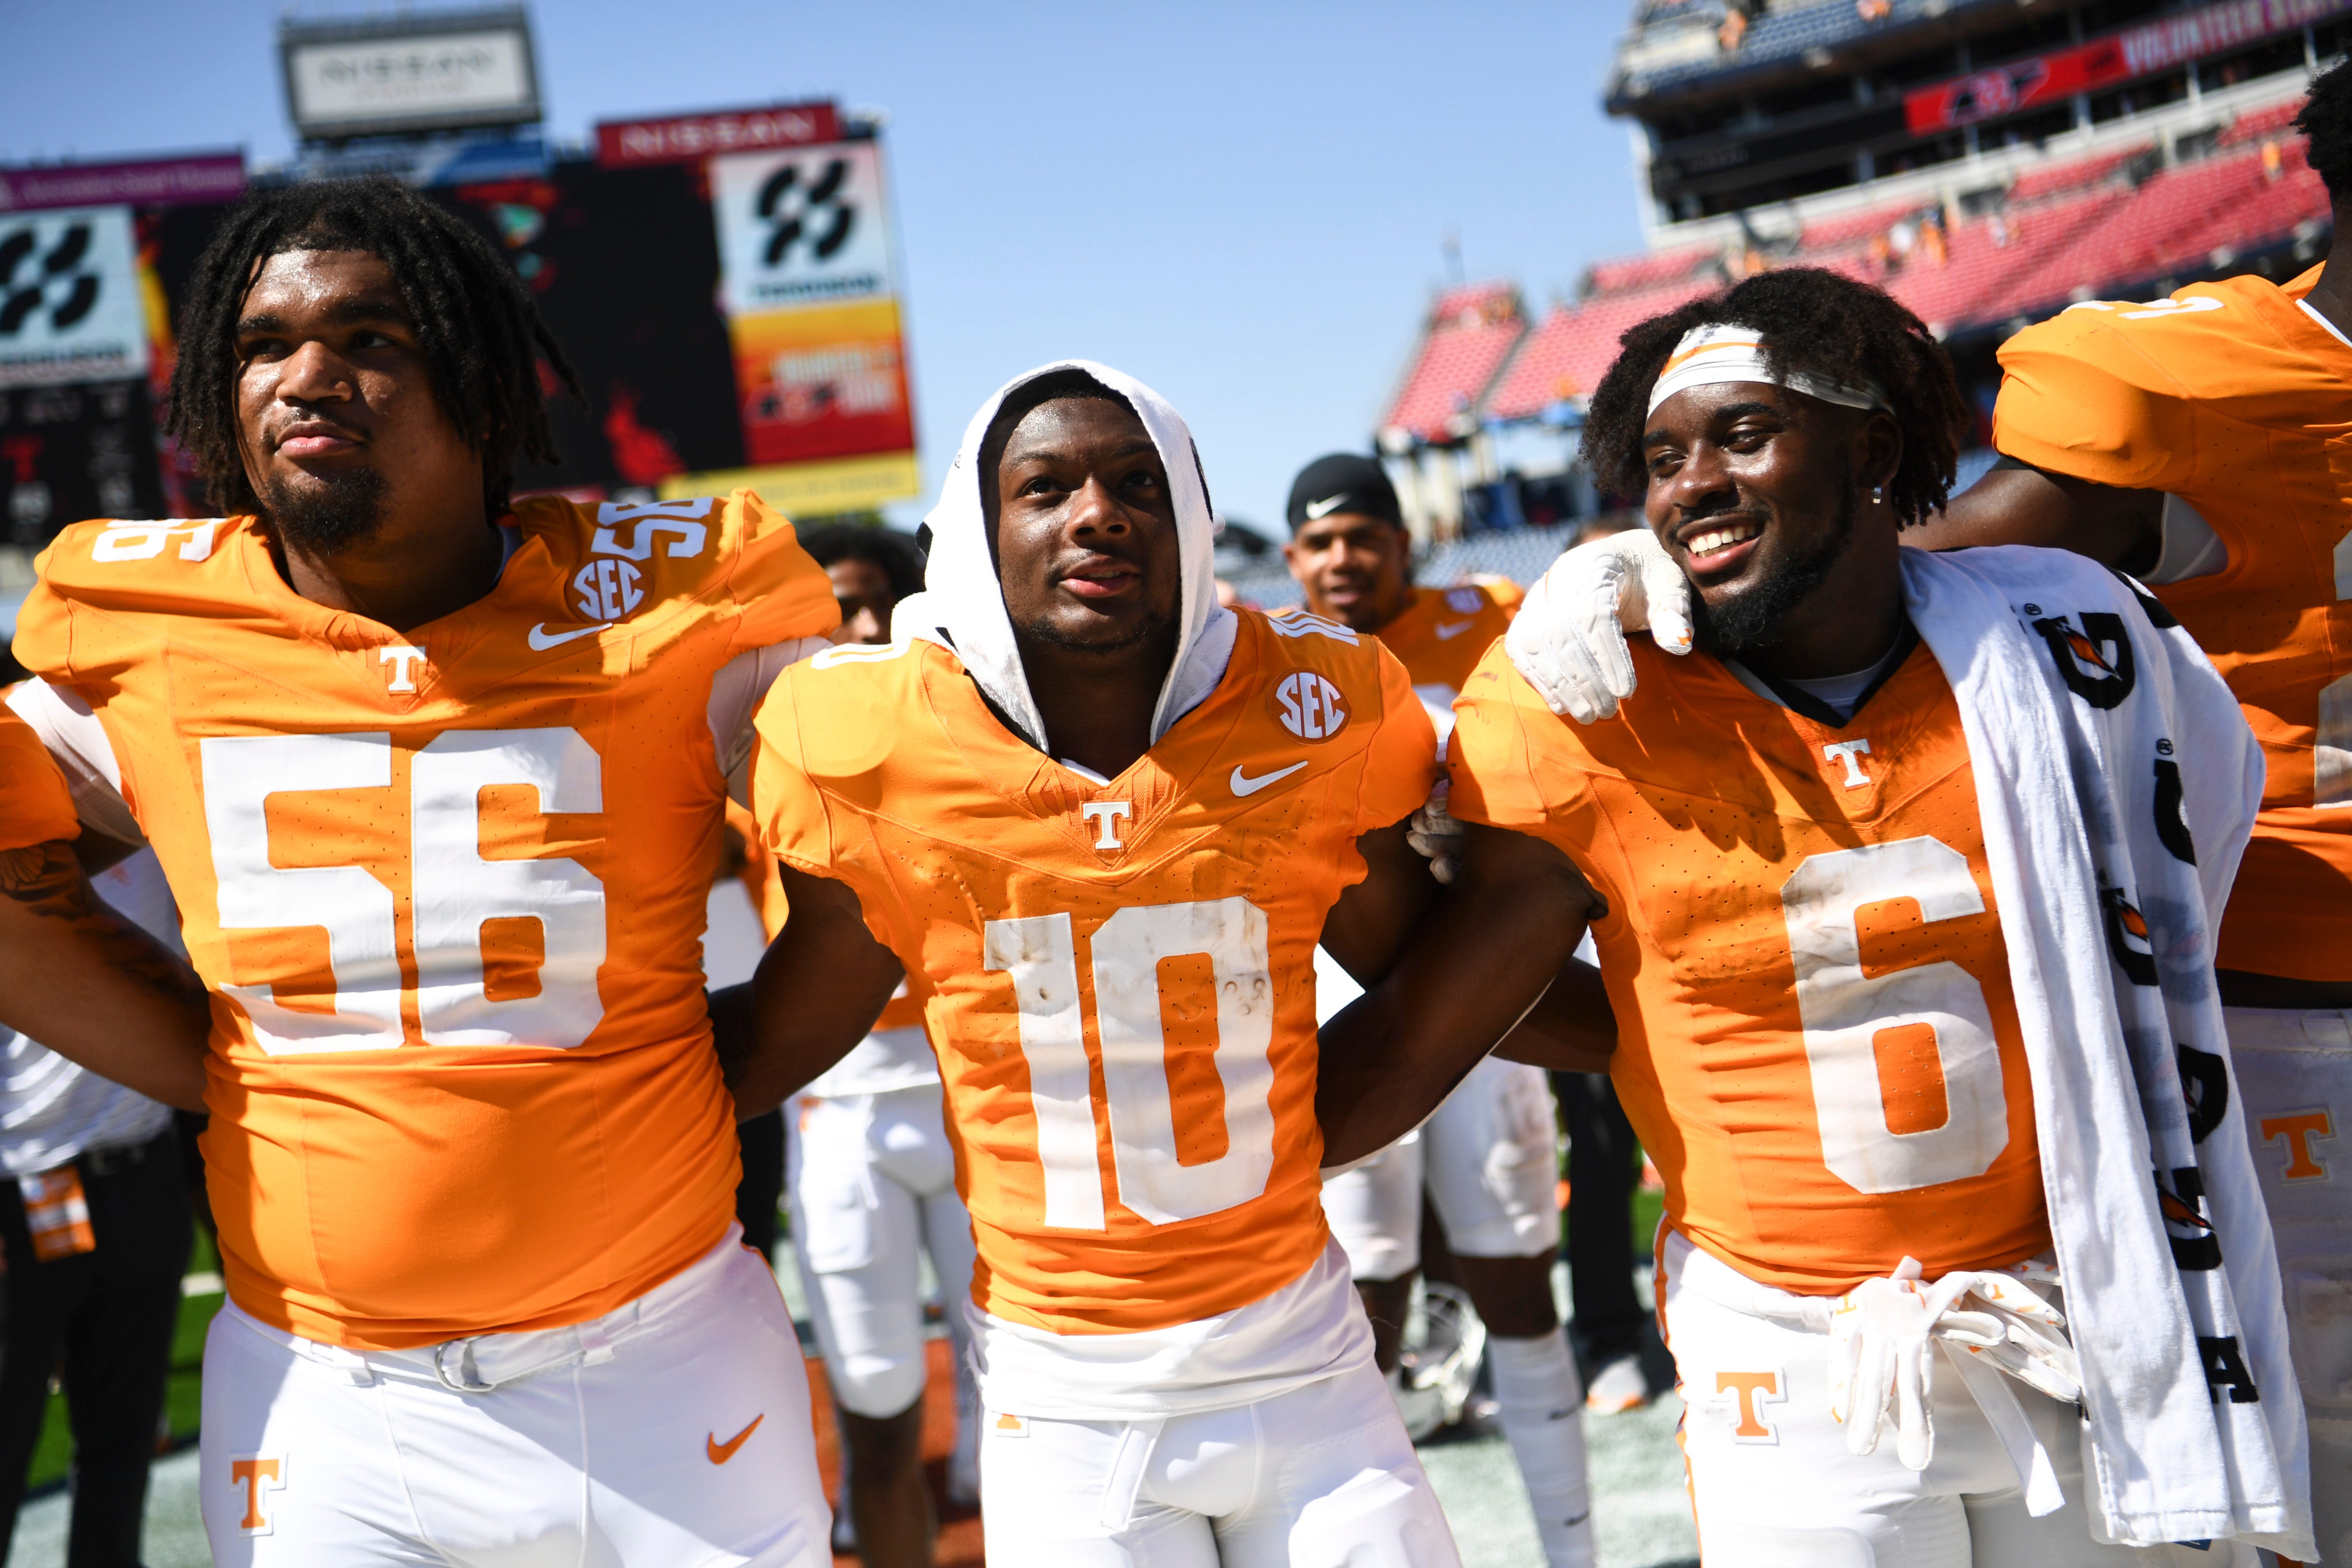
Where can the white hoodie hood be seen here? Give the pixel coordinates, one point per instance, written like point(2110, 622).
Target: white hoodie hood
point(962, 606)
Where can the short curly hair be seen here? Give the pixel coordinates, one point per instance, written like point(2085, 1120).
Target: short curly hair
point(1814, 320)
point(481, 335)
point(2326, 121)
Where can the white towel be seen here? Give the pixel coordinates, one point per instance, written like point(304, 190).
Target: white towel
point(2117, 783)
point(962, 606)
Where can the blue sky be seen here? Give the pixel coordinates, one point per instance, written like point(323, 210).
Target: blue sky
point(1243, 205)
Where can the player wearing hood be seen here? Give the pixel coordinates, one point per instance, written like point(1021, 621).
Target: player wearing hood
point(1098, 823)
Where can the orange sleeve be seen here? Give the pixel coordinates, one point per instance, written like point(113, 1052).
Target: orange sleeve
point(790, 809)
point(2080, 397)
point(1400, 762)
point(34, 807)
point(783, 593)
point(1514, 764)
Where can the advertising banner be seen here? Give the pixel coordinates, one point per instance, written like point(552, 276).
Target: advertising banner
point(196, 181)
point(409, 73)
point(2119, 57)
point(70, 308)
point(812, 307)
point(690, 137)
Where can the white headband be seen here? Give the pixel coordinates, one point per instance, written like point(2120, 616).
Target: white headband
point(1710, 354)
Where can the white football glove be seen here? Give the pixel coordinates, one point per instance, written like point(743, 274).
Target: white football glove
point(1568, 637)
point(1882, 1350)
point(1435, 835)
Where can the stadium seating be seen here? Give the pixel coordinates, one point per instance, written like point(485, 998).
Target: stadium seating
point(1470, 332)
point(2075, 230)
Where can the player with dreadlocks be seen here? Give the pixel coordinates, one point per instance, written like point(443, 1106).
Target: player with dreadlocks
point(1848, 867)
point(430, 770)
point(2193, 441)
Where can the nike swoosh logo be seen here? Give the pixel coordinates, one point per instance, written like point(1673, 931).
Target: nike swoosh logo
point(1447, 633)
point(1319, 509)
point(542, 639)
point(721, 1452)
point(1246, 785)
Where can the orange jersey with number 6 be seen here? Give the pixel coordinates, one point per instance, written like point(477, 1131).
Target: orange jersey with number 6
point(2238, 400)
point(35, 807)
point(1119, 978)
point(1817, 1040)
point(448, 888)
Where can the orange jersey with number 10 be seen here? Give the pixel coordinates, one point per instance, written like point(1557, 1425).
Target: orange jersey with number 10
point(448, 888)
point(1118, 978)
point(35, 807)
point(2233, 397)
point(1817, 1040)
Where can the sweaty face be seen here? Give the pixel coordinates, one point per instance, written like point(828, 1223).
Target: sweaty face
point(863, 591)
point(1352, 567)
point(1752, 491)
point(1085, 528)
point(334, 401)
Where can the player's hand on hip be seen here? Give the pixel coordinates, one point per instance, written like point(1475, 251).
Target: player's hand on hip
point(1434, 835)
point(1568, 637)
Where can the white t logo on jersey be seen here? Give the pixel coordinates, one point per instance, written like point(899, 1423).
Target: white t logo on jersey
point(1105, 814)
point(1843, 751)
point(400, 657)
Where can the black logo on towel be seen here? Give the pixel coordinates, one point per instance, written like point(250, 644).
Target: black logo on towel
point(2205, 1084)
point(2171, 826)
point(2127, 938)
point(2096, 662)
point(2195, 1247)
point(2225, 1368)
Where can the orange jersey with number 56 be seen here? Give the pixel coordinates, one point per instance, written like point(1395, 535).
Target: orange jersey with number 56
point(1119, 978)
point(1817, 1040)
point(448, 888)
point(34, 806)
point(2234, 397)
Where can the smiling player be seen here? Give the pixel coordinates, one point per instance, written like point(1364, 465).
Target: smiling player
point(434, 776)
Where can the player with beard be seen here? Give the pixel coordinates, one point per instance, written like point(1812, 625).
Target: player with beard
point(1489, 1156)
point(2196, 442)
point(1098, 823)
point(1808, 854)
point(471, 1155)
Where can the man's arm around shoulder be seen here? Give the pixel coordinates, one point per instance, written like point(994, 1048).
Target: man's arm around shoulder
point(818, 989)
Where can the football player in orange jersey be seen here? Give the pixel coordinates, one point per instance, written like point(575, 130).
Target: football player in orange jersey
point(1098, 823)
point(71, 968)
point(2196, 441)
point(1785, 849)
point(471, 1154)
point(1489, 1155)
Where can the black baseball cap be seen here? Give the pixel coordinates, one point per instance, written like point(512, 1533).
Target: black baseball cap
point(1343, 482)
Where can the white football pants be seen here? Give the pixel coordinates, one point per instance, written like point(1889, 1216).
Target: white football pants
point(2294, 1069)
point(1774, 1487)
point(1490, 1157)
point(1321, 1477)
point(872, 1179)
point(673, 1431)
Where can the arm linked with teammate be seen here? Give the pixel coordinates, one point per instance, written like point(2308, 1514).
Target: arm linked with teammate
point(92, 986)
point(818, 989)
point(2019, 504)
point(1483, 954)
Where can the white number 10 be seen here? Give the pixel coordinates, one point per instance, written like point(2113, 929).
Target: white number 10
point(1041, 955)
